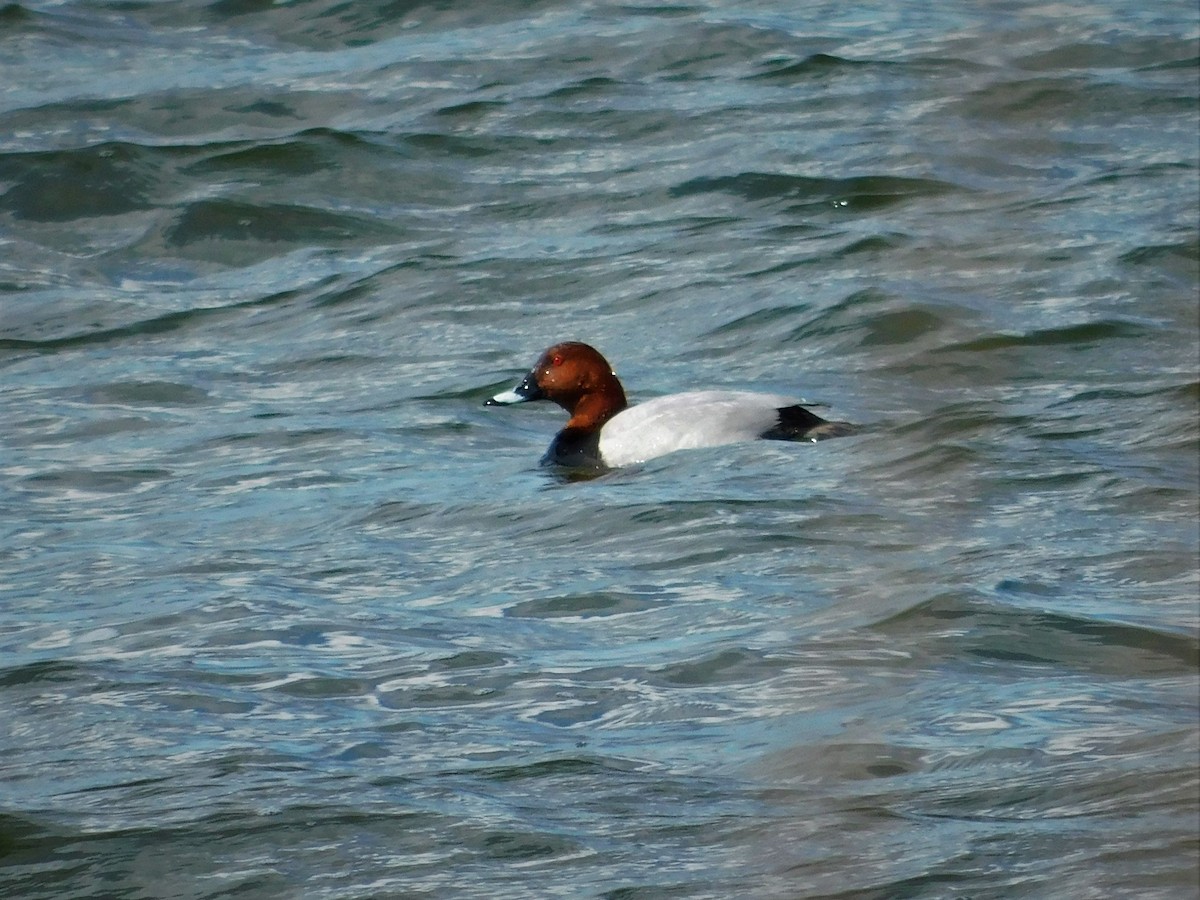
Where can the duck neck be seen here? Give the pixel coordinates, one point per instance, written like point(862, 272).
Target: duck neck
point(595, 408)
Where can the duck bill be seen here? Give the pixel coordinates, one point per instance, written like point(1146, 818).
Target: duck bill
point(525, 391)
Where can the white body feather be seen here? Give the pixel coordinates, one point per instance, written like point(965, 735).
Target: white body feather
point(686, 421)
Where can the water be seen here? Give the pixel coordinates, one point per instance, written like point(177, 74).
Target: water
point(288, 613)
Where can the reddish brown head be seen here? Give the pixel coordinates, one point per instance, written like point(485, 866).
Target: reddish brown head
point(577, 378)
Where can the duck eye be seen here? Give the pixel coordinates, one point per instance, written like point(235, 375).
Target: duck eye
point(556, 360)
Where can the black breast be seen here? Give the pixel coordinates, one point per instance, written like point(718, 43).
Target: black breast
point(575, 447)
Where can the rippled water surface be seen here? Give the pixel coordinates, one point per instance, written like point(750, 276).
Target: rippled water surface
point(288, 613)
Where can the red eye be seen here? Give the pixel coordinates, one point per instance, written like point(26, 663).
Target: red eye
point(556, 360)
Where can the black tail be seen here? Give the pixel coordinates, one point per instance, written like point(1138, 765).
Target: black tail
point(799, 424)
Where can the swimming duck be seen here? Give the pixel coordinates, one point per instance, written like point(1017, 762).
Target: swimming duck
point(604, 431)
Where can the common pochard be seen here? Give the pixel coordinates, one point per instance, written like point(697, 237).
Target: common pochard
point(605, 431)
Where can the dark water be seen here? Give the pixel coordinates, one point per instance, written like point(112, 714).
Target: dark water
point(287, 613)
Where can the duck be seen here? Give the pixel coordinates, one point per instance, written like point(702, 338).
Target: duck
point(605, 432)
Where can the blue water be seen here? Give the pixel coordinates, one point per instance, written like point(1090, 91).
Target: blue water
point(288, 613)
